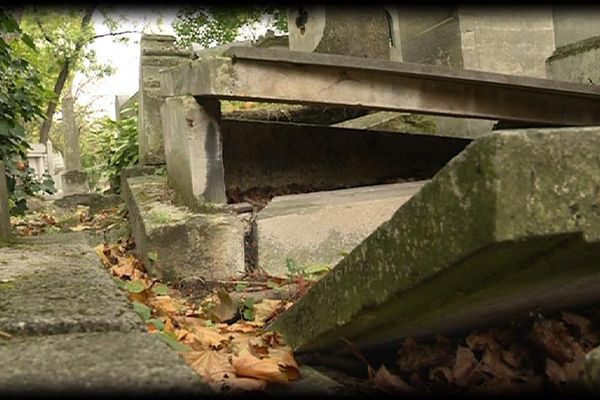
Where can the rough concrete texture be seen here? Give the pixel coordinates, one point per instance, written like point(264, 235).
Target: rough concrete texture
point(591, 370)
point(318, 228)
point(93, 363)
point(5, 228)
point(575, 22)
point(74, 182)
point(193, 150)
point(354, 31)
point(52, 287)
point(208, 243)
point(576, 62)
point(317, 158)
point(509, 225)
point(508, 40)
point(156, 52)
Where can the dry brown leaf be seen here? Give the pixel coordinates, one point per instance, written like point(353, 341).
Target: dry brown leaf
point(464, 366)
point(265, 309)
point(80, 228)
point(277, 368)
point(481, 341)
point(209, 337)
point(103, 257)
point(413, 356)
point(210, 364)
point(240, 326)
point(555, 372)
point(258, 347)
point(225, 309)
point(493, 364)
point(165, 304)
point(125, 267)
point(169, 327)
point(584, 326)
point(441, 374)
point(553, 337)
point(391, 383)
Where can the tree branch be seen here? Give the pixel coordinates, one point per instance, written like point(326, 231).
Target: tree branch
point(113, 34)
point(39, 23)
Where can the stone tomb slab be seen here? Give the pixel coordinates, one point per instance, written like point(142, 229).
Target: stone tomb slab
point(206, 243)
point(111, 362)
point(508, 226)
point(53, 288)
point(317, 228)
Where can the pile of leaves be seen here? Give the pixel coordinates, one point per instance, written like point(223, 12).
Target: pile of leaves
point(221, 338)
point(530, 355)
point(48, 221)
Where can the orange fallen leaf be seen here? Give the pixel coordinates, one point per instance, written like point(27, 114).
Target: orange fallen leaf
point(269, 369)
point(240, 326)
point(265, 309)
point(209, 338)
point(166, 304)
point(125, 268)
point(464, 366)
point(103, 257)
point(211, 365)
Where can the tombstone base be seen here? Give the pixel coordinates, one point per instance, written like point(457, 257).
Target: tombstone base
point(75, 182)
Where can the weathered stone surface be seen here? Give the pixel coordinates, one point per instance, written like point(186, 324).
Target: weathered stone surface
point(74, 182)
point(5, 228)
point(156, 52)
point(353, 31)
point(130, 172)
point(509, 225)
point(93, 363)
point(591, 371)
point(193, 150)
point(49, 288)
point(575, 22)
point(71, 135)
point(576, 62)
point(208, 243)
point(317, 228)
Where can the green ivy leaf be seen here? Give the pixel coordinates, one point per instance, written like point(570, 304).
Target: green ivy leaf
point(142, 309)
point(160, 290)
point(135, 286)
point(152, 256)
point(158, 324)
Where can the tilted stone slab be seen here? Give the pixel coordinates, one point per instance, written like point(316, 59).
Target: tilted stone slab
point(511, 224)
point(50, 288)
point(207, 243)
point(107, 363)
point(317, 228)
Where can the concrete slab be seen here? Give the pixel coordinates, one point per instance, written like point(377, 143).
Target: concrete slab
point(93, 363)
point(576, 62)
point(317, 228)
point(508, 226)
point(330, 79)
point(206, 243)
point(49, 288)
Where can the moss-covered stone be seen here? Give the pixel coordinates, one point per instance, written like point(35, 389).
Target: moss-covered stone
point(510, 224)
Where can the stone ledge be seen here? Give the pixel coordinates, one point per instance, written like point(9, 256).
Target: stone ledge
point(575, 48)
point(91, 363)
point(208, 243)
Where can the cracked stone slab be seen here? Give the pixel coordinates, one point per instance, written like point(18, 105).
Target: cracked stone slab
point(99, 362)
point(510, 225)
point(50, 288)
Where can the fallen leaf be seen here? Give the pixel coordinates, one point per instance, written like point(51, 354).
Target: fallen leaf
point(80, 228)
point(125, 268)
point(265, 309)
point(553, 337)
point(493, 364)
point(209, 338)
point(143, 310)
point(413, 356)
point(272, 369)
point(464, 366)
point(441, 374)
point(555, 372)
point(172, 341)
point(481, 341)
point(225, 309)
point(211, 365)
point(165, 304)
point(240, 326)
point(391, 383)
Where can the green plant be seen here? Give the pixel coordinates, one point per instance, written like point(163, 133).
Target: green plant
point(114, 146)
point(21, 97)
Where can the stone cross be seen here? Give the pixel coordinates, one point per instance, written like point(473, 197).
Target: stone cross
point(5, 230)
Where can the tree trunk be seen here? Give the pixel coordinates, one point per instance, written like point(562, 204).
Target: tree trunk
point(62, 78)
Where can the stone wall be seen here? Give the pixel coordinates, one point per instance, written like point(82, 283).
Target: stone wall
point(156, 52)
point(293, 158)
point(573, 23)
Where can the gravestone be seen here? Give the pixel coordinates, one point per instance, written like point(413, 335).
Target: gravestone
point(74, 180)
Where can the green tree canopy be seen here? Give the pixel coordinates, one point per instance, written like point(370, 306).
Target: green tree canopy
point(212, 25)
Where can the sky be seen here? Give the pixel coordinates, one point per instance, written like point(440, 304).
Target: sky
point(124, 58)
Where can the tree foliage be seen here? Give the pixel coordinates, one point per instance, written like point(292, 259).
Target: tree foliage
point(213, 25)
point(112, 145)
point(21, 99)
